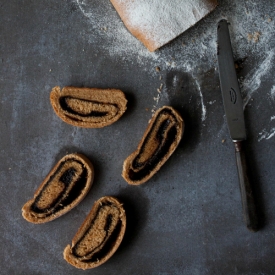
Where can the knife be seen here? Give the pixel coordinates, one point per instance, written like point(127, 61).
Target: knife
point(233, 106)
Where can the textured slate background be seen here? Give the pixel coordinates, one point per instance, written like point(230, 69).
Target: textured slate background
point(187, 219)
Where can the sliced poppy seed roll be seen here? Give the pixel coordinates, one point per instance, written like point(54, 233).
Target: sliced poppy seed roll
point(159, 141)
point(88, 107)
point(99, 236)
point(64, 187)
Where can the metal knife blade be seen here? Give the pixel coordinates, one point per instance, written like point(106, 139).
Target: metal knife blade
point(233, 106)
point(231, 94)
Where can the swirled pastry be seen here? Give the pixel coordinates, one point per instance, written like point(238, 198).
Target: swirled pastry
point(99, 236)
point(159, 141)
point(64, 187)
point(88, 107)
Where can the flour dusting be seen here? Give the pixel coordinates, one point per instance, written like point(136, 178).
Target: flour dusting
point(253, 81)
point(203, 107)
point(106, 24)
point(194, 51)
point(266, 135)
point(156, 22)
point(272, 92)
point(190, 48)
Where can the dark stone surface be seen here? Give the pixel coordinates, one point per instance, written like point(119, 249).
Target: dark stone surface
point(187, 219)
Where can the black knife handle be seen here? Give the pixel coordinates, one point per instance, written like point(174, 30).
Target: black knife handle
point(248, 201)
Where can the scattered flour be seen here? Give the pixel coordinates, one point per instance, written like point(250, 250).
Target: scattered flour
point(118, 41)
point(254, 79)
point(156, 22)
point(203, 107)
point(196, 48)
point(265, 134)
point(272, 92)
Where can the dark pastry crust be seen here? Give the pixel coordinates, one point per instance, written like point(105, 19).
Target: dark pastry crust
point(63, 188)
point(159, 141)
point(88, 107)
point(99, 236)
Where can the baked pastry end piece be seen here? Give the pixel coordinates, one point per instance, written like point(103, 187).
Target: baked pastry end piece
point(157, 22)
point(99, 236)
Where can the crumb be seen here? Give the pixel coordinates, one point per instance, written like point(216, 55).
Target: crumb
point(160, 78)
point(9, 168)
point(159, 91)
point(156, 98)
point(50, 70)
point(223, 141)
point(256, 36)
point(158, 69)
point(269, 20)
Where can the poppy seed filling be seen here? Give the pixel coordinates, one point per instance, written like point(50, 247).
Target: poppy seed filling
point(100, 235)
point(156, 145)
point(87, 108)
point(62, 188)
